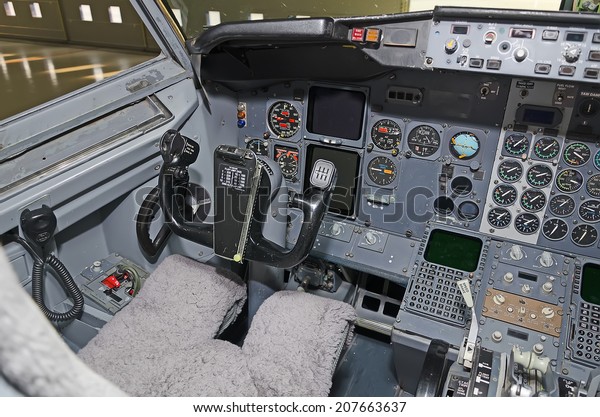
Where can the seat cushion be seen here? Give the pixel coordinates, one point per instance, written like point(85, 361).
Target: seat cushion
point(294, 343)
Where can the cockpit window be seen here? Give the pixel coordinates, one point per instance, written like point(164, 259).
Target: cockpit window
point(195, 16)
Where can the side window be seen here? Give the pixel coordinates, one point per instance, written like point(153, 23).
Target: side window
point(49, 48)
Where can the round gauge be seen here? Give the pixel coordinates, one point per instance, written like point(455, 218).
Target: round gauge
point(499, 217)
point(592, 185)
point(562, 205)
point(527, 223)
point(504, 195)
point(555, 229)
point(443, 206)
point(533, 200)
point(546, 148)
point(468, 210)
point(584, 235)
point(424, 141)
point(539, 175)
point(569, 180)
point(576, 154)
point(464, 145)
point(386, 134)
point(382, 170)
point(284, 119)
point(258, 146)
point(516, 144)
point(461, 186)
point(597, 160)
point(287, 158)
point(510, 170)
point(589, 211)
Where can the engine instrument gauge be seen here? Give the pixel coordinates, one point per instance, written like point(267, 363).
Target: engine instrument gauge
point(539, 175)
point(468, 210)
point(516, 144)
point(592, 185)
point(562, 205)
point(258, 146)
point(424, 141)
point(504, 195)
point(284, 119)
point(382, 170)
point(527, 223)
point(589, 211)
point(576, 154)
point(597, 160)
point(499, 217)
point(287, 158)
point(546, 148)
point(584, 235)
point(555, 229)
point(386, 134)
point(510, 170)
point(569, 180)
point(533, 200)
point(464, 145)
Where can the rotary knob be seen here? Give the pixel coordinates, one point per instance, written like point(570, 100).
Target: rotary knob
point(526, 288)
point(516, 252)
point(520, 54)
point(548, 312)
point(451, 46)
point(337, 229)
point(508, 277)
point(547, 287)
point(499, 299)
point(572, 53)
point(371, 238)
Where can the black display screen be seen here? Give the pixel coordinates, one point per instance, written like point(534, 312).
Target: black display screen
point(453, 250)
point(347, 165)
point(590, 283)
point(335, 112)
point(538, 115)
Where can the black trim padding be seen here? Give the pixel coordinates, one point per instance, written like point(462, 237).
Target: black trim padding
point(434, 370)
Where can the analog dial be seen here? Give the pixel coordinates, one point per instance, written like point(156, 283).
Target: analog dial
point(284, 119)
point(576, 154)
point(546, 148)
point(533, 200)
point(597, 160)
point(386, 134)
point(555, 229)
point(499, 217)
point(584, 235)
point(589, 211)
point(592, 185)
point(539, 175)
point(516, 144)
point(504, 195)
point(464, 145)
point(382, 170)
point(423, 140)
point(258, 146)
point(287, 158)
point(562, 205)
point(527, 223)
point(569, 180)
point(510, 170)
point(468, 210)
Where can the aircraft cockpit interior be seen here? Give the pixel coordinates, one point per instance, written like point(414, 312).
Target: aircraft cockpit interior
point(387, 205)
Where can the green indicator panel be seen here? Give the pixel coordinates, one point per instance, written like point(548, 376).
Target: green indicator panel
point(590, 283)
point(453, 250)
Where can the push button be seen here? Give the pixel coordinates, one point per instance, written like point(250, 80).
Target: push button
point(542, 68)
point(566, 70)
point(550, 35)
point(493, 64)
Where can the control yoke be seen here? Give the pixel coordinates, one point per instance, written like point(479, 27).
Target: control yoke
point(245, 200)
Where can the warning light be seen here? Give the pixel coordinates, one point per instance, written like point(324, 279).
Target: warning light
point(373, 35)
point(358, 35)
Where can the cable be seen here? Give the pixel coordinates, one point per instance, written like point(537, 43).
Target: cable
point(37, 291)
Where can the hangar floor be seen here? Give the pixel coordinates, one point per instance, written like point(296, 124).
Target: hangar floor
point(32, 73)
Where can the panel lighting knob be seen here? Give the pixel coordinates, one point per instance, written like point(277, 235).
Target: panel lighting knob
point(516, 253)
point(547, 287)
point(508, 277)
point(538, 348)
point(572, 53)
point(337, 229)
point(548, 312)
point(499, 299)
point(546, 259)
point(451, 46)
point(370, 238)
point(520, 54)
point(526, 288)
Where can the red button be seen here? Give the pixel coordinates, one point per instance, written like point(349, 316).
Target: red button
point(358, 34)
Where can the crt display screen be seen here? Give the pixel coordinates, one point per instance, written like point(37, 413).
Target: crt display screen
point(453, 250)
point(335, 112)
point(590, 283)
point(347, 164)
